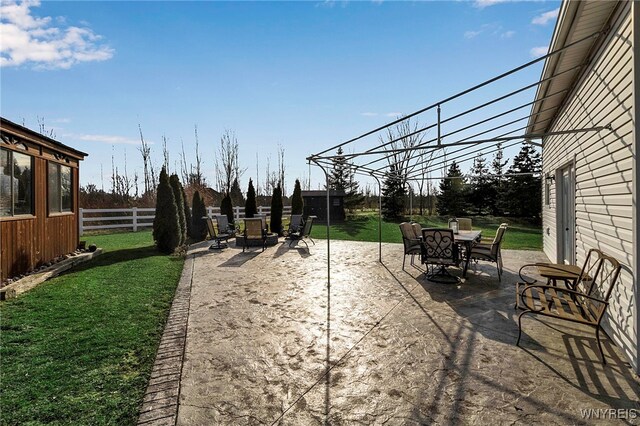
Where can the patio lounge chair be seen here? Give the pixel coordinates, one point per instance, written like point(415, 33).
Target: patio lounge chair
point(464, 224)
point(223, 225)
point(295, 224)
point(410, 242)
point(218, 238)
point(254, 231)
point(303, 234)
point(586, 304)
point(490, 252)
point(438, 247)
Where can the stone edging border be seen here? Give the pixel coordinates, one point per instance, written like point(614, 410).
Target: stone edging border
point(27, 283)
point(160, 403)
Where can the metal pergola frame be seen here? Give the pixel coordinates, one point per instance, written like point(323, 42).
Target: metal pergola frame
point(376, 158)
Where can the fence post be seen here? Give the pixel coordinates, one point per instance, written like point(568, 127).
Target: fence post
point(135, 219)
point(80, 224)
point(236, 213)
point(209, 211)
point(260, 210)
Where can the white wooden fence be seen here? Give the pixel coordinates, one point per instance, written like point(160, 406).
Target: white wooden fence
point(136, 218)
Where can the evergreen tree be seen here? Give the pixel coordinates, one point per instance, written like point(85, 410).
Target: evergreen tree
point(481, 188)
point(174, 181)
point(451, 199)
point(226, 208)
point(523, 190)
point(276, 210)
point(250, 207)
point(198, 223)
point(393, 195)
point(166, 225)
point(236, 193)
point(497, 193)
point(339, 176)
point(297, 203)
point(187, 212)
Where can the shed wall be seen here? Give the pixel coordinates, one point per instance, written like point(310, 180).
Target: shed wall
point(604, 163)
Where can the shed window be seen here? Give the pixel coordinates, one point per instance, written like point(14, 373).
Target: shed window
point(59, 188)
point(16, 183)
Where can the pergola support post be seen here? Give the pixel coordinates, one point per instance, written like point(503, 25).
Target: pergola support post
point(379, 217)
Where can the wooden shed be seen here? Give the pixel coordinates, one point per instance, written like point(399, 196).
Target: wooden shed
point(315, 204)
point(38, 199)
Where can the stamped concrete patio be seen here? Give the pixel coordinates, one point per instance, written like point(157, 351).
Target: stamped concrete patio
point(268, 343)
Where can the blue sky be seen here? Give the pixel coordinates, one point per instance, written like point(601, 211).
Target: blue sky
point(302, 75)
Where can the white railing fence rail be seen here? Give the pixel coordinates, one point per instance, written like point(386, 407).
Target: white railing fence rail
point(136, 218)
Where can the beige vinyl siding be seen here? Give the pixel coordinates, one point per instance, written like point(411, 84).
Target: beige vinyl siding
point(604, 170)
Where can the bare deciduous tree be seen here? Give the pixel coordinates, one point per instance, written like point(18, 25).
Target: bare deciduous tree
point(145, 151)
point(403, 135)
point(226, 163)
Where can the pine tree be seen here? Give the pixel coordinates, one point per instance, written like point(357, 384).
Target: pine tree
point(451, 199)
point(480, 185)
point(393, 195)
point(236, 193)
point(166, 225)
point(339, 176)
point(187, 212)
point(250, 207)
point(276, 210)
point(523, 190)
point(174, 181)
point(497, 194)
point(198, 223)
point(297, 203)
point(226, 208)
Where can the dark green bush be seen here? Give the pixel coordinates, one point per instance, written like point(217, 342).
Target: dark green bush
point(297, 203)
point(174, 181)
point(276, 210)
point(250, 207)
point(226, 208)
point(166, 225)
point(198, 224)
point(187, 212)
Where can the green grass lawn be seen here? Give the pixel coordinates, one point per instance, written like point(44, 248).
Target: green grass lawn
point(79, 348)
point(364, 227)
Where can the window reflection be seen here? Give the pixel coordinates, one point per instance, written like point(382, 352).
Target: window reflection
point(16, 183)
point(59, 188)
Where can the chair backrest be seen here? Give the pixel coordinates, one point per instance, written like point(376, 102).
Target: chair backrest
point(464, 224)
point(438, 246)
point(306, 231)
point(417, 230)
point(253, 228)
point(408, 235)
point(604, 280)
point(223, 223)
point(591, 263)
point(211, 227)
point(497, 240)
point(263, 218)
point(296, 222)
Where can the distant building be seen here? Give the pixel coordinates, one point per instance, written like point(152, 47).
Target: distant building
point(38, 199)
point(315, 204)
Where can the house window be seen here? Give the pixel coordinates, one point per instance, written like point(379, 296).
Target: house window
point(16, 183)
point(59, 188)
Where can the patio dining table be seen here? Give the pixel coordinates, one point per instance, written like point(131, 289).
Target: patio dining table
point(467, 238)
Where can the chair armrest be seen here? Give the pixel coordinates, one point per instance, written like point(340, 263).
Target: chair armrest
point(528, 265)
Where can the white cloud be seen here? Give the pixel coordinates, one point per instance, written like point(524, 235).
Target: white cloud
point(545, 18)
point(481, 4)
point(472, 34)
point(507, 34)
point(536, 52)
point(369, 114)
point(27, 39)
point(108, 139)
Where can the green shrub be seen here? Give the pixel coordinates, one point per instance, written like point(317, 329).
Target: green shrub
point(198, 224)
point(226, 208)
point(187, 212)
point(250, 207)
point(297, 203)
point(166, 225)
point(276, 210)
point(177, 194)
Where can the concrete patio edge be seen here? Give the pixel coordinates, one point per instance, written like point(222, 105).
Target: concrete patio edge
point(160, 403)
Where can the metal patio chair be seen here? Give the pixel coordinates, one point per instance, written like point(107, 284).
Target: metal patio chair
point(410, 242)
point(254, 231)
point(303, 234)
point(438, 248)
point(217, 238)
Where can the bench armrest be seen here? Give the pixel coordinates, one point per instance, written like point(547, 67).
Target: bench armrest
point(577, 293)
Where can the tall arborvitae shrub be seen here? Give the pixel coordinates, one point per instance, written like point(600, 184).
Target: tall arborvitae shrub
point(175, 186)
point(198, 223)
point(226, 208)
point(250, 207)
point(276, 210)
point(297, 203)
point(187, 212)
point(166, 225)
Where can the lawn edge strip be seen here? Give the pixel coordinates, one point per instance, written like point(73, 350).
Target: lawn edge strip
point(173, 341)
